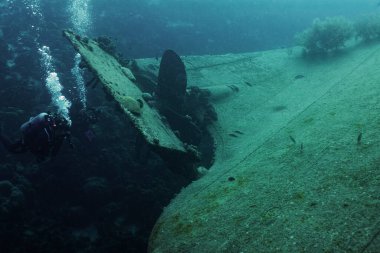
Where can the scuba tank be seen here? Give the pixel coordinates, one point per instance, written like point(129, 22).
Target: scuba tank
point(42, 120)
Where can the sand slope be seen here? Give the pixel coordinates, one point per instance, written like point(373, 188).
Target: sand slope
point(319, 192)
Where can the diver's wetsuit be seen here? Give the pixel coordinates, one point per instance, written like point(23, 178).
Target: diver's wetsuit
point(38, 137)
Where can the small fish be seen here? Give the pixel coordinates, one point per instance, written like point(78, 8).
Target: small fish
point(248, 83)
point(292, 139)
point(359, 139)
point(279, 108)
point(233, 87)
point(233, 135)
point(238, 132)
point(298, 77)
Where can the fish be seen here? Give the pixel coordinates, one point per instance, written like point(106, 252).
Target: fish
point(233, 87)
point(248, 83)
point(359, 139)
point(298, 77)
point(279, 108)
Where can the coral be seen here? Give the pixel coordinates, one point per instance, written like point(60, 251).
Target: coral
point(131, 104)
point(11, 198)
point(368, 27)
point(128, 73)
point(326, 36)
point(96, 191)
point(107, 45)
point(5, 188)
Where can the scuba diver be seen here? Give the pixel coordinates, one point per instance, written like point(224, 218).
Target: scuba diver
point(42, 135)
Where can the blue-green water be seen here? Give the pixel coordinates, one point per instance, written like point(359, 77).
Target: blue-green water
point(106, 193)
